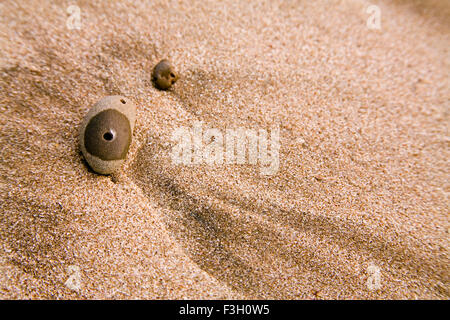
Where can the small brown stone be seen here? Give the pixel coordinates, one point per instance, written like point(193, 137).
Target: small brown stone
point(106, 133)
point(164, 76)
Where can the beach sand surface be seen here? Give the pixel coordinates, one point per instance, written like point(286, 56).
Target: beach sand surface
point(358, 208)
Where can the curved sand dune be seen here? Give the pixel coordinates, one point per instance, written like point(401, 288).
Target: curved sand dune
point(363, 175)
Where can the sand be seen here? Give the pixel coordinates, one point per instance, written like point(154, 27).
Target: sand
point(357, 210)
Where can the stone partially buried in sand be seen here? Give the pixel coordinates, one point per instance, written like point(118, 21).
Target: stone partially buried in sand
point(106, 133)
point(164, 76)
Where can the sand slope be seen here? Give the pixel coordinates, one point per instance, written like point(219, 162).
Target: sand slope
point(363, 177)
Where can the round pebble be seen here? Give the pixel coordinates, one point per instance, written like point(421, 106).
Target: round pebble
point(106, 133)
point(164, 76)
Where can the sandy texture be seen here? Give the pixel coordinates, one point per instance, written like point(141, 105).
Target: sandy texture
point(364, 176)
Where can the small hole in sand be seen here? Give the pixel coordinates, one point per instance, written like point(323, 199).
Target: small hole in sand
point(108, 136)
point(123, 101)
point(172, 75)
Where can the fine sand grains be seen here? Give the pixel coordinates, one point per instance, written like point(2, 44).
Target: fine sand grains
point(361, 193)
